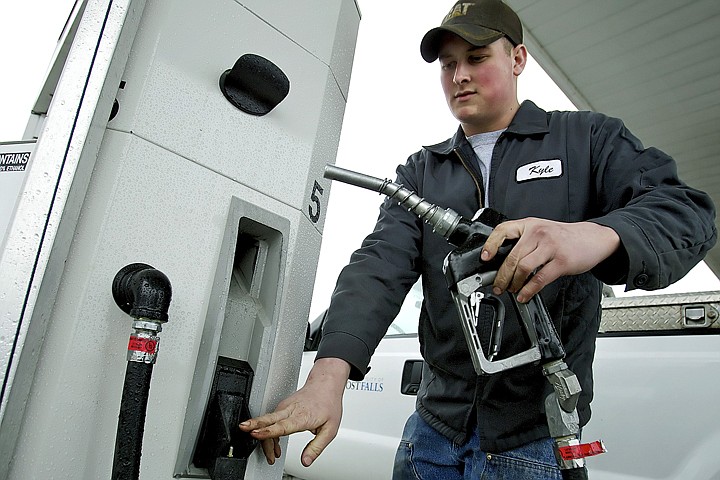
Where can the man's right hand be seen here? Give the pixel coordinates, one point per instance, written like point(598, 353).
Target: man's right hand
point(316, 407)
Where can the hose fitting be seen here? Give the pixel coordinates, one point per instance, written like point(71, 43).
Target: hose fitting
point(142, 292)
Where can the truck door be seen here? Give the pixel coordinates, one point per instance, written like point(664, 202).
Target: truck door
point(655, 361)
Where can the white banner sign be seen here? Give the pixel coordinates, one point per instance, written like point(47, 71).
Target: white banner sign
point(14, 163)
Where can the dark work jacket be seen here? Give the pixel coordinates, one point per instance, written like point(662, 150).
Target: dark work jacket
point(563, 166)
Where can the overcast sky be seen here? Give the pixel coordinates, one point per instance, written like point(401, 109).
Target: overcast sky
point(394, 107)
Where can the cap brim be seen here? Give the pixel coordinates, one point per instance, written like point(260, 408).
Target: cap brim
point(473, 34)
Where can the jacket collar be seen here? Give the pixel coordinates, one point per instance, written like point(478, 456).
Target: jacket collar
point(529, 120)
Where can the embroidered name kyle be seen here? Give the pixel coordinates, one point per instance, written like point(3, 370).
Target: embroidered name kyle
point(541, 169)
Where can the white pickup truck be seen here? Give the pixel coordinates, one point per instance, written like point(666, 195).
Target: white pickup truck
point(655, 397)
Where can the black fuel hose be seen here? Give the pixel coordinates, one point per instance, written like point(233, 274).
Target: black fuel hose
point(144, 293)
point(131, 421)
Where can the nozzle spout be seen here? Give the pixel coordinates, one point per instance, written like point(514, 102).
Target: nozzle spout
point(443, 221)
point(355, 178)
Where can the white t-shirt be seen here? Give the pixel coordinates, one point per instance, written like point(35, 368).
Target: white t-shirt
point(483, 144)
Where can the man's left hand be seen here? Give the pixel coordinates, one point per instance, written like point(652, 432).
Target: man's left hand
point(545, 251)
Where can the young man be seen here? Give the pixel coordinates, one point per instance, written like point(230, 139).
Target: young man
point(589, 205)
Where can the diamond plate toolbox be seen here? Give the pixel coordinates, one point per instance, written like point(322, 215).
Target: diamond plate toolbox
point(661, 313)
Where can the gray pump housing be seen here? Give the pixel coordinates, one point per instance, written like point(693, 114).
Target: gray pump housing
point(138, 156)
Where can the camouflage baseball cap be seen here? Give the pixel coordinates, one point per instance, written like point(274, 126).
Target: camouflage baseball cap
point(480, 23)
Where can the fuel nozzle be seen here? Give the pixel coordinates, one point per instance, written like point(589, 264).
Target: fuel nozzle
point(446, 222)
point(468, 276)
point(443, 220)
point(456, 229)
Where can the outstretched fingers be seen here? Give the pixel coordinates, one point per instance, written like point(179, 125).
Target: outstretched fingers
point(316, 407)
point(270, 425)
point(268, 429)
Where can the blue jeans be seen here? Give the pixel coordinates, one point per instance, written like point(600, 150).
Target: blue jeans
point(425, 454)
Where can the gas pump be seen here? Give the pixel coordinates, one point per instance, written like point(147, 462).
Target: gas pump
point(160, 134)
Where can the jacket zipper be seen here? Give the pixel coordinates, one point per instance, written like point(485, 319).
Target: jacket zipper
point(473, 176)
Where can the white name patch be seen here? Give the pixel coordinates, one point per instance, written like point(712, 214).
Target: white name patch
point(541, 169)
